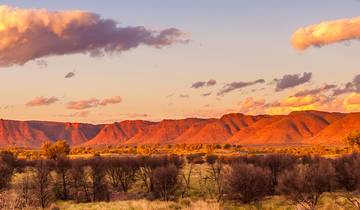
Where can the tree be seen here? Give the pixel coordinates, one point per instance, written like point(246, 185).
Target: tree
point(166, 181)
point(121, 172)
point(348, 177)
point(305, 184)
point(8, 163)
point(80, 186)
point(42, 182)
point(55, 150)
point(62, 167)
point(98, 183)
point(216, 173)
point(247, 183)
point(192, 159)
point(277, 163)
point(353, 139)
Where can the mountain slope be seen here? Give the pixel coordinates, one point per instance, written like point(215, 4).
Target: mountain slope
point(117, 133)
point(302, 127)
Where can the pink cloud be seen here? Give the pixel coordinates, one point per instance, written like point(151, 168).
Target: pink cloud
point(93, 102)
point(42, 101)
point(28, 34)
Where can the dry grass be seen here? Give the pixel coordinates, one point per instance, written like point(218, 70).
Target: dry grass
point(328, 202)
point(140, 205)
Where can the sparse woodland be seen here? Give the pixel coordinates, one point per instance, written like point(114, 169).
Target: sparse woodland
point(243, 179)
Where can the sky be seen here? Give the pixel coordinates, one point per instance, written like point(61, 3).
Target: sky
point(102, 62)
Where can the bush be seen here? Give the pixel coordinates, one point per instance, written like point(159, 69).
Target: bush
point(121, 172)
point(166, 182)
point(247, 183)
point(42, 183)
point(305, 184)
point(55, 150)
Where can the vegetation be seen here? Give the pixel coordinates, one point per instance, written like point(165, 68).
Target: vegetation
point(353, 139)
point(225, 180)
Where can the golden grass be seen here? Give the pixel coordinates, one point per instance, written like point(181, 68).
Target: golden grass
point(140, 205)
point(328, 202)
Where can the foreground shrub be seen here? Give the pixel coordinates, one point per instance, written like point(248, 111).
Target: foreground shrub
point(247, 183)
point(166, 181)
point(277, 163)
point(80, 186)
point(42, 183)
point(305, 184)
point(62, 166)
point(98, 182)
point(348, 177)
point(121, 172)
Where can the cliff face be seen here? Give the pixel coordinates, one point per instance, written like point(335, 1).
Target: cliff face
point(304, 127)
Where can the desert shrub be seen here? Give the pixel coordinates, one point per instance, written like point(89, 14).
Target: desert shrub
point(305, 184)
point(55, 150)
point(247, 183)
point(8, 164)
point(191, 159)
point(24, 189)
point(277, 163)
point(215, 173)
point(79, 181)
point(98, 183)
point(166, 181)
point(42, 183)
point(348, 177)
point(62, 166)
point(6, 173)
point(149, 163)
point(121, 172)
point(353, 139)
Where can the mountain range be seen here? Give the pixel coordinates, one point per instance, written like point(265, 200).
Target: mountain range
point(296, 128)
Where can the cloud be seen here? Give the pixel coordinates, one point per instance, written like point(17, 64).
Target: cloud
point(6, 107)
point(41, 63)
point(206, 94)
point(352, 102)
point(112, 100)
point(238, 85)
point(69, 75)
point(28, 34)
point(293, 101)
point(81, 114)
point(42, 101)
point(251, 106)
point(135, 115)
point(326, 33)
point(292, 80)
point(93, 102)
point(353, 86)
point(201, 84)
point(315, 91)
point(170, 95)
point(184, 96)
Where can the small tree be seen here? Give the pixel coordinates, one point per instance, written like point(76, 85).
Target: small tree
point(353, 139)
point(305, 184)
point(121, 172)
point(55, 150)
point(79, 181)
point(42, 183)
point(348, 177)
point(166, 181)
point(98, 182)
point(247, 183)
point(216, 173)
point(62, 166)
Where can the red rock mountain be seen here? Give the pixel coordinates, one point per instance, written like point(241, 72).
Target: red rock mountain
point(303, 127)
